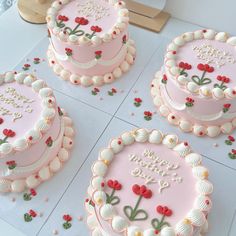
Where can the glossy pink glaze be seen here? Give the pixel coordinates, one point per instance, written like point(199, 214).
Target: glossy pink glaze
point(120, 169)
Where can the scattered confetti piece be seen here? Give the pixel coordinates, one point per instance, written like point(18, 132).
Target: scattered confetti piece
point(95, 91)
point(46, 199)
point(101, 99)
point(67, 219)
point(148, 115)
point(26, 67)
point(36, 60)
point(215, 145)
point(55, 232)
point(80, 218)
point(232, 154)
point(13, 199)
point(135, 91)
point(112, 92)
point(28, 217)
point(132, 114)
point(230, 140)
point(138, 102)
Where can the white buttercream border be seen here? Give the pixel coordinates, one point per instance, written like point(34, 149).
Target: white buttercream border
point(96, 80)
point(99, 170)
point(185, 125)
point(47, 171)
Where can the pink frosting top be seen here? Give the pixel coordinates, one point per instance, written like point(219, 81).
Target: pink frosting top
point(171, 187)
point(20, 109)
point(221, 56)
point(97, 12)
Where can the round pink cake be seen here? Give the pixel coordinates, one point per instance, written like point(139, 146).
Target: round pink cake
point(196, 88)
point(35, 135)
point(89, 41)
point(140, 183)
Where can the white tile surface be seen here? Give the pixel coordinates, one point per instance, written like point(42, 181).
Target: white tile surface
point(66, 191)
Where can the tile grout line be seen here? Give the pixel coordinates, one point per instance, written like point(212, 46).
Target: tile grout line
point(85, 160)
point(231, 224)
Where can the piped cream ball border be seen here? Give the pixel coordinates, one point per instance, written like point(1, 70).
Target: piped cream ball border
point(46, 172)
point(95, 80)
point(118, 28)
point(183, 124)
point(195, 219)
point(47, 115)
point(173, 71)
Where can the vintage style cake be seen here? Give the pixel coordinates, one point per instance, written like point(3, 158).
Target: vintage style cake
point(89, 40)
point(35, 134)
point(196, 88)
point(146, 183)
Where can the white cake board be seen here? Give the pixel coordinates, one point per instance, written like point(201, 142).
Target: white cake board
point(66, 191)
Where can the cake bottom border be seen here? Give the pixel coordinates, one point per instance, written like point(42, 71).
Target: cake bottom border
point(95, 80)
point(187, 126)
point(47, 171)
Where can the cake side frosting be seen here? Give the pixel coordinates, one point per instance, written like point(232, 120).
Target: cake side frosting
point(89, 41)
point(138, 181)
point(36, 134)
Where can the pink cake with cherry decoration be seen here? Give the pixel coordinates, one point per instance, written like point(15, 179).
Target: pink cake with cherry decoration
point(196, 88)
point(89, 41)
point(35, 134)
point(139, 184)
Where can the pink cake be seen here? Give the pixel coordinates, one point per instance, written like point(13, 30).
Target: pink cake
point(89, 41)
point(196, 88)
point(35, 134)
point(146, 184)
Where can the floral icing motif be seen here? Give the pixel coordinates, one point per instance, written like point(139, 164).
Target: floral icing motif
point(189, 102)
point(30, 215)
point(224, 80)
point(164, 79)
point(98, 54)
point(90, 202)
point(49, 142)
point(69, 52)
point(226, 107)
point(184, 66)
point(115, 186)
point(95, 29)
point(80, 21)
point(8, 133)
point(135, 214)
point(1, 120)
point(138, 102)
point(159, 224)
point(61, 19)
point(232, 154)
point(205, 68)
point(60, 111)
point(26, 67)
point(28, 196)
point(112, 92)
point(147, 115)
point(124, 39)
point(36, 60)
point(67, 224)
point(11, 165)
point(230, 140)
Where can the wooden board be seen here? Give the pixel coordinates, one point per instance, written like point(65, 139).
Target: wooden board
point(34, 11)
point(147, 17)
